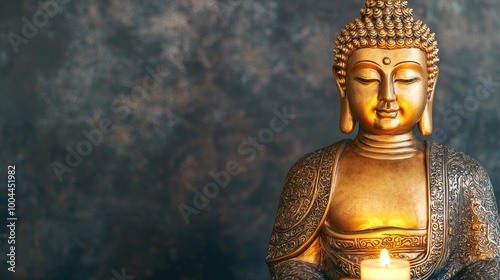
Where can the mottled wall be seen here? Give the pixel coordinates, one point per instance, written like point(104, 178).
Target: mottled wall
point(222, 68)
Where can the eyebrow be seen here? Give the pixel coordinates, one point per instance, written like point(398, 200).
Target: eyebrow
point(369, 61)
point(412, 62)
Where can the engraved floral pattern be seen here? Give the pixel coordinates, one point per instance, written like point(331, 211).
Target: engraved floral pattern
point(303, 202)
point(293, 270)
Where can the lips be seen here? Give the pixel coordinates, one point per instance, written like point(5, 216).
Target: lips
point(387, 114)
point(387, 110)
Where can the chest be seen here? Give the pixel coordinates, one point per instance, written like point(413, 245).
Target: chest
point(371, 194)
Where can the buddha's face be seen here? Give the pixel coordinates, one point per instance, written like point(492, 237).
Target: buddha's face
point(387, 89)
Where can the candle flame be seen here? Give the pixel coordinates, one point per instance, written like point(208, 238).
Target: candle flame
point(385, 260)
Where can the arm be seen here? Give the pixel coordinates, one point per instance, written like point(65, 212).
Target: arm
point(480, 270)
point(294, 250)
point(304, 267)
point(479, 245)
point(297, 270)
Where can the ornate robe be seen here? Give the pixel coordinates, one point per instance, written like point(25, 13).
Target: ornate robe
point(462, 240)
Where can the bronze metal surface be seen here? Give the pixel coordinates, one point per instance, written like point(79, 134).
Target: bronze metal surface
point(425, 202)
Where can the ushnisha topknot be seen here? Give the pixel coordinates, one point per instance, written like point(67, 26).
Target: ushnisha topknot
point(387, 24)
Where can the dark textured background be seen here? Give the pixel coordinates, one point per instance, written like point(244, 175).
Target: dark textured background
point(229, 64)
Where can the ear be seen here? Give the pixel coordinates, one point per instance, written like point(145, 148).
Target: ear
point(337, 81)
point(347, 122)
point(425, 123)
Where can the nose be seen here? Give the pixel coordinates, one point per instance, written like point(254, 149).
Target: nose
point(387, 91)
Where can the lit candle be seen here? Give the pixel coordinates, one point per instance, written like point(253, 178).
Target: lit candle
point(385, 268)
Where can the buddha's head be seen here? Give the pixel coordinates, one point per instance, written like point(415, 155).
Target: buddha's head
point(386, 70)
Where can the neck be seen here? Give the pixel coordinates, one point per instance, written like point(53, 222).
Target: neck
point(387, 147)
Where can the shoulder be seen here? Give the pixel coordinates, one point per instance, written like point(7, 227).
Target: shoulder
point(312, 161)
point(456, 161)
point(303, 203)
point(460, 170)
point(308, 177)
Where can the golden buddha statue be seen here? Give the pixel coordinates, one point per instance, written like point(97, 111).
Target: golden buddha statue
point(424, 202)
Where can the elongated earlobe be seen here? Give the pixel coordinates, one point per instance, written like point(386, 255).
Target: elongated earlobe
point(347, 122)
point(425, 124)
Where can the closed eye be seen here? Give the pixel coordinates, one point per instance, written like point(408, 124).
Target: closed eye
point(408, 81)
point(366, 81)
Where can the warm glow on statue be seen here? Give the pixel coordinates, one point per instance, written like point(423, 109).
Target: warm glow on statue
point(424, 202)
